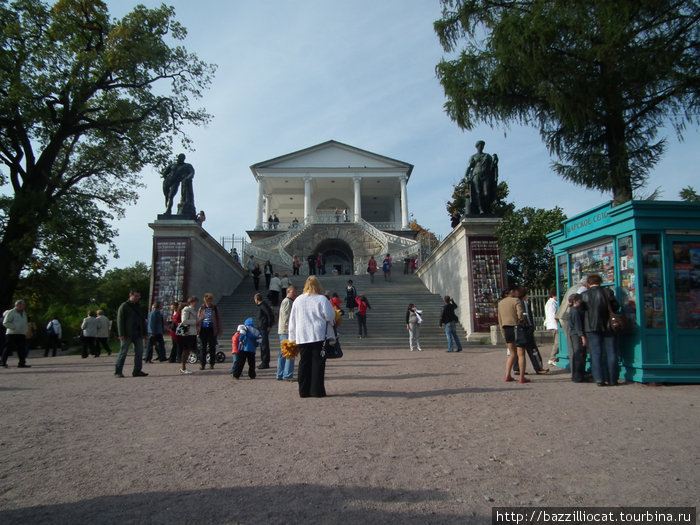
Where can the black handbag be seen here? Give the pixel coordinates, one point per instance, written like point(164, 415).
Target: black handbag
point(331, 350)
point(522, 337)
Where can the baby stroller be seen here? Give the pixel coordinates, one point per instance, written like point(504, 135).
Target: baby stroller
point(193, 358)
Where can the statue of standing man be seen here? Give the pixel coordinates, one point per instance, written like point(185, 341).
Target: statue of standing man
point(180, 172)
point(482, 178)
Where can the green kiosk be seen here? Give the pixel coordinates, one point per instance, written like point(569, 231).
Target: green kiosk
point(649, 253)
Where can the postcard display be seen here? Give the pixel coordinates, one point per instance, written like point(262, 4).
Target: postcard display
point(686, 272)
point(487, 281)
point(169, 264)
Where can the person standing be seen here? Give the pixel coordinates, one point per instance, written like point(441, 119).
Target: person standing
point(296, 264)
point(89, 328)
point(310, 323)
point(386, 267)
point(598, 302)
point(510, 315)
point(285, 367)
point(311, 259)
point(175, 319)
point(267, 270)
point(210, 329)
point(350, 295)
point(255, 272)
point(265, 320)
point(131, 325)
point(284, 283)
point(188, 341)
point(250, 264)
point(578, 339)
point(102, 339)
point(371, 268)
point(53, 331)
point(362, 307)
point(155, 334)
point(15, 323)
point(413, 321)
point(448, 321)
point(275, 289)
point(550, 323)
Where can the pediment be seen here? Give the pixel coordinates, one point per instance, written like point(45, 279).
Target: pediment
point(332, 154)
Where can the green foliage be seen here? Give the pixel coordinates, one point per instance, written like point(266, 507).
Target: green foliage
point(86, 102)
point(689, 194)
point(70, 296)
point(522, 236)
point(597, 78)
point(500, 206)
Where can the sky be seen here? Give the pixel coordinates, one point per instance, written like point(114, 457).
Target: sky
point(296, 73)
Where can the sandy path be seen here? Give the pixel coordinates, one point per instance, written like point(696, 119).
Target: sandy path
point(403, 437)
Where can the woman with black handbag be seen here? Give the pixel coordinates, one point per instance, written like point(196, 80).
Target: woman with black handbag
point(511, 319)
point(311, 319)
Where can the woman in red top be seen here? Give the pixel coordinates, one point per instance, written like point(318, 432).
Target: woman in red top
point(371, 268)
point(362, 307)
point(175, 319)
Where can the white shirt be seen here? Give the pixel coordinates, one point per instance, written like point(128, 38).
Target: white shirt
point(550, 311)
point(311, 319)
point(275, 284)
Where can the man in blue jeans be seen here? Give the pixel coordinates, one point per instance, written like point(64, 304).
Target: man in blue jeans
point(598, 302)
point(448, 319)
point(131, 325)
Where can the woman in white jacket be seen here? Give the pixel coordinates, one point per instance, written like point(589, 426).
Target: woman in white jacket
point(310, 323)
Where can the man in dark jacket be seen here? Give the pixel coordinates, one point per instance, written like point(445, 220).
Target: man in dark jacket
point(448, 320)
point(264, 322)
point(131, 325)
point(599, 337)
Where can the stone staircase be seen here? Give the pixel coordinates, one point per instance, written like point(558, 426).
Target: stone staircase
point(386, 319)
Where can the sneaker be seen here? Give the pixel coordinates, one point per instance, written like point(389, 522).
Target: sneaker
point(23, 365)
point(140, 373)
point(234, 377)
point(119, 374)
point(185, 372)
point(420, 349)
point(411, 349)
point(552, 362)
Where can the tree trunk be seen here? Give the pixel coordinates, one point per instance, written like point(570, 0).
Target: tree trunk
point(19, 239)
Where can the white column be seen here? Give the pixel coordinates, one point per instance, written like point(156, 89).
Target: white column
point(267, 210)
point(307, 198)
point(404, 203)
point(258, 218)
point(358, 198)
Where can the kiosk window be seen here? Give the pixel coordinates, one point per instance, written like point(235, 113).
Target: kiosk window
point(628, 280)
point(563, 275)
point(595, 259)
point(654, 311)
point(686, 271)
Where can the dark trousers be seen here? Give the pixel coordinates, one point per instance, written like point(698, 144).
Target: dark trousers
point(535, 358)
point(89, 346)
point(267, 280)
point(155, 341)
point(274, 297)
point(14, 343)
point(100, 343)
point(362, 324)
point(295, 271)
point(241, 360)
point(53, 345)
point(312, 370)
point(175, 352)
point(265, 348)
point(208, 339)
point(312, 269)
point(578, 359)
point(256, 282)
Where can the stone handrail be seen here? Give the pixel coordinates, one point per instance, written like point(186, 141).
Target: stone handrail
point(378, 234)
point(262, 254)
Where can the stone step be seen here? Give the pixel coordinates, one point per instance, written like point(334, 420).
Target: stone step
point(386, 318)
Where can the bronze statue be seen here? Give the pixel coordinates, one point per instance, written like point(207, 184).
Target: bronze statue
point(178, 173)
point(482, 179)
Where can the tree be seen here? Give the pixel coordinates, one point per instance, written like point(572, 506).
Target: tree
point(522, 237)
point(689, 194)
point(598, 77)
point(86, 102)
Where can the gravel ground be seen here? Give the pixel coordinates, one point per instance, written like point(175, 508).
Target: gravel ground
point(403, 437)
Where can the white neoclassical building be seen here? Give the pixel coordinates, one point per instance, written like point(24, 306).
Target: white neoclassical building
point(342, 201)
